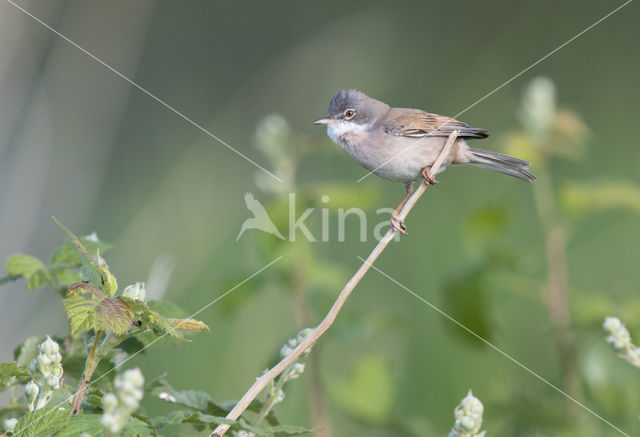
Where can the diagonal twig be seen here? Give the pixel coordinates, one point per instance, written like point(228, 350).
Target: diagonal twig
point(266, 378)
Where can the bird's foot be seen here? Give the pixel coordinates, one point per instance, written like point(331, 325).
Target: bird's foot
point(398, 225)
point(426, 176)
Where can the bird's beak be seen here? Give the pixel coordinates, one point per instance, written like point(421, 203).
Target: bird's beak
point(325, 120)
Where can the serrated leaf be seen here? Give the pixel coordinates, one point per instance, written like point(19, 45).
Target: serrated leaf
point(161, 388)
point(189, 324)
point(12, 374)
point(87, 308)
point(90, 424)
point(81, 287)
point(45, 421)
point(188, 416)
point(28, 267)
point(89, 267)
point(113, 315)
point(271, 430)
point(67, 255)
point(80, 312)
point(152, 320)
point(109, 281)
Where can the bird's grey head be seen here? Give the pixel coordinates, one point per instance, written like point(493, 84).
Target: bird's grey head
point(353, 106)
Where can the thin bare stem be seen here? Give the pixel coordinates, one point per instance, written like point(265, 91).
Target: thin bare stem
point(263, 381)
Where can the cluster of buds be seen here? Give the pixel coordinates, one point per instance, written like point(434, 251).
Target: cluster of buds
point(135, 291)
point(292, 343)
point(119, 406)
point(46, 374)
point(468, 416)
point(620, 340)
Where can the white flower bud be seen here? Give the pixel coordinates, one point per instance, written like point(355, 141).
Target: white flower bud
point(279, 396)
point(118, 407)
point(292, 343)
point(297, 369)
point(46, 373)
point(31, 391)
point(468, 416)
point(620, 340)
point(135, 291)
point(10, 424)
point(49, 347)
point(93, 237)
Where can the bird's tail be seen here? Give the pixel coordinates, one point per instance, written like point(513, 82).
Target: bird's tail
point(502, 163)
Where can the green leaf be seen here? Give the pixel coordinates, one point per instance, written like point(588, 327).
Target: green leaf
point(67, 255)
point(88, 308)
point(28, 267)
point(12, 374)
point(93, 273)
point(150, 319)
point(368, 392)
point(271, 430)
point(45, 421)
point(90, 423)
point(188, 416)
point(189, 324)
point(161, 388)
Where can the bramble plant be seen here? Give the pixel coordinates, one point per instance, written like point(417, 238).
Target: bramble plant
point(77, 383)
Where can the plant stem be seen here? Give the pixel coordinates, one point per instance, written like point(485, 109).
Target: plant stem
point(271, 400)
point(89, 368)
point(8, 279)
point(264, 380)
point(315, 393)
point(557, 297)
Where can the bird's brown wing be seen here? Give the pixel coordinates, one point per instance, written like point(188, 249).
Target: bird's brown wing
point(416, 123)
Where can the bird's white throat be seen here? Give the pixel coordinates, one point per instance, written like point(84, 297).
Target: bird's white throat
point(343, 132)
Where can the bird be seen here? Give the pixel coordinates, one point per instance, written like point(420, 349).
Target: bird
point(260, 219)
point(401, 144)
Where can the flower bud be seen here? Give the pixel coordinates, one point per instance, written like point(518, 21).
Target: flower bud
point(119, 406)
point(297, 369)
point(10, 424)
point(31, 391)
point(135, 291)
point(468, 415)
point(620, 340)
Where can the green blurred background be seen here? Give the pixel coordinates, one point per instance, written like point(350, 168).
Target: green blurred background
point(80, 143)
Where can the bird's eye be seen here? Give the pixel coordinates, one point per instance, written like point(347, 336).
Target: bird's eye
point(349, 113)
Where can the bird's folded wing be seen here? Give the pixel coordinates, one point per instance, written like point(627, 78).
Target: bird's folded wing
point(416, 123)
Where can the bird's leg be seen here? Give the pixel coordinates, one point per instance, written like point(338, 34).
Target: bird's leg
point(427, 177)
point(397, 224)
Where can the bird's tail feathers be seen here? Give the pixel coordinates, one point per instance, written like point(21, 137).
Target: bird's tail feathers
point(502, 163)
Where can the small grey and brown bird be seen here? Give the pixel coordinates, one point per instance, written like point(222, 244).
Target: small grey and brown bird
point(402, 144)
